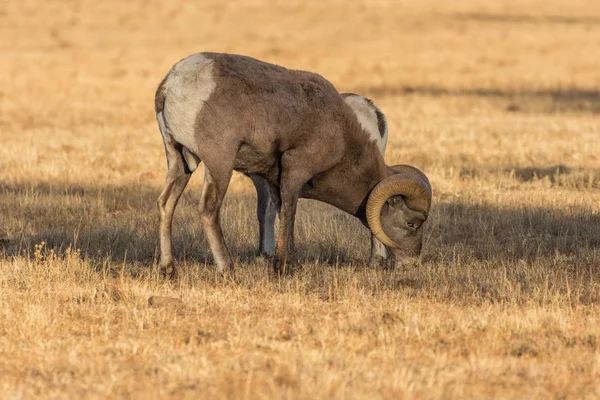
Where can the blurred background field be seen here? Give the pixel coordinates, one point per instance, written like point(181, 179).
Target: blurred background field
point(497, 101)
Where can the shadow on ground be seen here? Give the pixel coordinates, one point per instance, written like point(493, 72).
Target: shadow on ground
point(120, 223)
point(544, 101)
point(528, 19)
point(558, 175)
point(493, 233)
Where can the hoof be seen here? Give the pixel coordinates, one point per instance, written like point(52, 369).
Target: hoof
point(262, 257)
point(378, 262)
point(406, 262)
point(381, 262)
point(285, 268)
point(263, 260)
point(264, 254)
point(225, 269)
point(169, 271)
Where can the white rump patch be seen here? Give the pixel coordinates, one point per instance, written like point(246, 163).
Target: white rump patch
point(366, 112)
point(188, 86)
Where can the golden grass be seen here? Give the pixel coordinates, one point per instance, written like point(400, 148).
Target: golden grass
point(498, 101)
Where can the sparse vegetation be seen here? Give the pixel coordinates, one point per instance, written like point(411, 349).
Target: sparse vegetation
point(497, 101)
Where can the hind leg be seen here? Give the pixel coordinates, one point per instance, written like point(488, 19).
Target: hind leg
point(267, 207)
point(215, 186)
point(178, 176)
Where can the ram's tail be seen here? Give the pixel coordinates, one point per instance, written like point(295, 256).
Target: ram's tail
point(160, 96)
point(191, 160)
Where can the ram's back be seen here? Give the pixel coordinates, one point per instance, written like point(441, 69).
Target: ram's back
point(241, 99)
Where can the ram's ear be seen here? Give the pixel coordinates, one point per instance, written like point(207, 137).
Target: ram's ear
point(395, 202)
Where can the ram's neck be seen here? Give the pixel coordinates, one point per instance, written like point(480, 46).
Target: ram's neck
point(347, 186)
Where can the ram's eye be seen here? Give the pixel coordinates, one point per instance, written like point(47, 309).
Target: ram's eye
point(410, 225)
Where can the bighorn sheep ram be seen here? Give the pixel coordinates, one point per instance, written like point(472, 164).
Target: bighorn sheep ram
point(293, 129)
point(373, 122)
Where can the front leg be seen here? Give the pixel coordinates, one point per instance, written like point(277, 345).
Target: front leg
point(293, 178)
point(379, 254)
point(284, 252)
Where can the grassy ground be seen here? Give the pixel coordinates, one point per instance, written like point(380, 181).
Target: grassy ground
point(498, 101)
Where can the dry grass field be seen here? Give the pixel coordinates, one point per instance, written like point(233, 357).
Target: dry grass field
point(497, 101)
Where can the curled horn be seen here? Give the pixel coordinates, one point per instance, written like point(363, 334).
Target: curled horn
point(410, 183)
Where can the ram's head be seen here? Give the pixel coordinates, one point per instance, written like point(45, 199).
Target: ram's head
point(396, 210)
